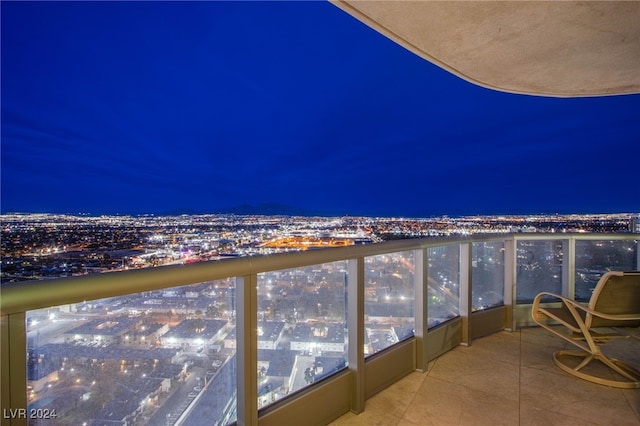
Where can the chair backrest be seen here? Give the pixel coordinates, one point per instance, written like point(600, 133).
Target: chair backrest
point(617, 293)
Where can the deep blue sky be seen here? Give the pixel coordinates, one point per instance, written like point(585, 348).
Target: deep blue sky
point(123, 107)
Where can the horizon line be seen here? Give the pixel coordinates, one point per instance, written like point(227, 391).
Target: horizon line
point(230, 213)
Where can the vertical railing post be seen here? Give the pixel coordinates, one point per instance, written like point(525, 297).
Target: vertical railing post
point(510, 278)
point(569, 267)
point(465, 302)
point(421, 292)
point(247, 349)
point(5, 370)
point(13, 343)
point(355, 326)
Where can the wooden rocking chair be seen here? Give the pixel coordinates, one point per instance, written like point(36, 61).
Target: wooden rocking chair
point(615, 302)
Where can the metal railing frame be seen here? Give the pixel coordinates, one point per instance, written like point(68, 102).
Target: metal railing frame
point(16, 299)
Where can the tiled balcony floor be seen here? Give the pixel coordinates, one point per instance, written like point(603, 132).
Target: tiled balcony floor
point(504, 379)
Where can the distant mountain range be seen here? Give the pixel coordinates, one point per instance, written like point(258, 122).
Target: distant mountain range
point(271, 209)
point(277, 209)
point(266, 209)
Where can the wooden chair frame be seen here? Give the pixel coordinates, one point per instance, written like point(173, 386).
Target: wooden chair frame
point(581, 321)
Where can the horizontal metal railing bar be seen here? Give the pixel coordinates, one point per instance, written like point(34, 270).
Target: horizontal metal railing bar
point(25, 296)
point(30, 295)
point(575, 236)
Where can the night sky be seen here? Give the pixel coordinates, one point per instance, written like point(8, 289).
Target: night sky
point(158, 107)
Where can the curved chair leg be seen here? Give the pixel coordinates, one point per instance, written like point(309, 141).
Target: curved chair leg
point(620, 367)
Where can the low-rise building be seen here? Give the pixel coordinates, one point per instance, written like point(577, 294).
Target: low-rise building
point(145, 334)
point(269, 334)
point(276, 371)
point(198, 333)
point(323, 337)
point(105, 331)
point(39, 374)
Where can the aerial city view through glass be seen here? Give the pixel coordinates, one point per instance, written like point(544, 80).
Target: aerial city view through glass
point(167, 356)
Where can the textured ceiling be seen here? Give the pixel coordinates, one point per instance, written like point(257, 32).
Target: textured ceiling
point(553, 48)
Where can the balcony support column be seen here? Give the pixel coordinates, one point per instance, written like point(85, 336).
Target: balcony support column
point(421, 289)
point(510, 274)
point(247, 349)
point(569, 267)
point(356, 330)
point(465, 303)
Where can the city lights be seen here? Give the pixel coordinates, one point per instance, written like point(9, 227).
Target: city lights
point(38, 246)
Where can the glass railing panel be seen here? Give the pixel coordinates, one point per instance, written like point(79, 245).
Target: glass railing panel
point(388, 303)
point(148, 358)
point(302, 334)
point(594, 258)
point(443, 300)
point(487, 263)
point(539, 268)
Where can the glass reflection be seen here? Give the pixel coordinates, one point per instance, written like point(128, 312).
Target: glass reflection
point(301, 328)
point(146, 358)
point(594, 258)
point(444, 284)
point(389, 300)
point(487, 275)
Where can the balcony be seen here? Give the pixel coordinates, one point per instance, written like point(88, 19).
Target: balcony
point(342, 335)
point(505, 378)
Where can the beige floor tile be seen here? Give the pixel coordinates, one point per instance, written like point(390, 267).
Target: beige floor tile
point(396, 398)
point(409, 384)
point(633, 396)
point(504, 346)
point(571, 396)
point(538, 346)
point(485, 384)
point(442, 403)
point(482, 372)
point(366, 418)
point(404, 422)
point(537, 336)
point(345, 419)
point(387, 406)
point(533, 416)
point(627, 350)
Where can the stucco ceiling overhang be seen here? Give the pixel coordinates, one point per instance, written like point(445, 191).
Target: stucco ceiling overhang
point(549, 48)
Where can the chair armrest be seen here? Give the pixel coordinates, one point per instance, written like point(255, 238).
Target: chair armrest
point(574, 307)
point(574, 322)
